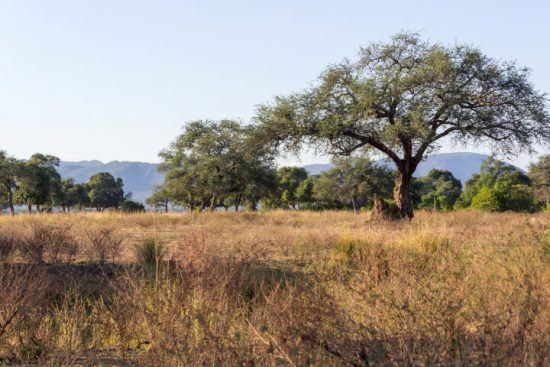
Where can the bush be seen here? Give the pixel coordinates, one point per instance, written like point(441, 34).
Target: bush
point(503, 197)
point(517, 198)
point(105, 244)
point(49, 243)
point(131, 206)
point(150, 253)
point(7, 246)
point(486, 200)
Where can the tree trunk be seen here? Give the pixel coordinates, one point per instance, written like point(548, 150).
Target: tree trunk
point(353, 204)
point(202, 206)
point(213, 203)
point(237, 202)
point(10, 200)
point(402, 195)
point(29, 207)
point(166, 206)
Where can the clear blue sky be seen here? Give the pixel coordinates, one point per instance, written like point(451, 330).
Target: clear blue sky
point(117, 79)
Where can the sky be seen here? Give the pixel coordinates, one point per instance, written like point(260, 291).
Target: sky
point(118, 79)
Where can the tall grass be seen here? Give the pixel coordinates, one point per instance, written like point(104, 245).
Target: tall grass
point(323, 289)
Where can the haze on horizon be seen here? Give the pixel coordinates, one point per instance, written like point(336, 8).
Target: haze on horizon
point(117, 80)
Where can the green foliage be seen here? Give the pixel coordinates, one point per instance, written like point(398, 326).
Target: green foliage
point(400, 98)
point(353, 182)
point(9, 170)
point(159, 198)
point(38, 181)
point(70, 194)
point(504, 188)
point(212, 163)
point(439, 190)
point(105, 191)
point(289, 180)
point(539, 173)
point(486, 200)
point(131, 206)
point(304, 191)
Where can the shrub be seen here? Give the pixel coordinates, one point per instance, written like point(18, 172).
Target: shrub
point(486, 200)
point(7, 246)
point(131, 206)
point(105, 244)
point(48, 243)
point(517, 198)
point(150, 253)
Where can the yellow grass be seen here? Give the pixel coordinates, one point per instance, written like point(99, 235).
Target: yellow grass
point(281, 288)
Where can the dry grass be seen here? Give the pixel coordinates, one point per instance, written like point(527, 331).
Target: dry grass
point(277, 288)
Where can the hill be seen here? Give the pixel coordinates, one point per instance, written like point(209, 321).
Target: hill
point(140, 177)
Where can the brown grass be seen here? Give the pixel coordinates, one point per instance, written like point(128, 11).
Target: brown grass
point(276, 288)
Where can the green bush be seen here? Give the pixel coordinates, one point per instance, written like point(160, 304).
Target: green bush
point(131, 206)
point(486, 200)
point(150, 254)
point(503, 196)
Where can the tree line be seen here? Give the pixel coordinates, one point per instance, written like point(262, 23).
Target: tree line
point(234, 174)
point(37, 183)
point(400, 99)
point(214, 165)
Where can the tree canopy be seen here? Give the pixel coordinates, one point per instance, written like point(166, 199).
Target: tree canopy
point(401, 98)
point(105, 191)
point(212, 163)
point(353, 181)
point(439, 190)
point(38, 181)
point(9, 170)
point(497, 187)
point(539, 173)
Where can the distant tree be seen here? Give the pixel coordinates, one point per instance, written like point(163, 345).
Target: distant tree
point(539, 173)
point(325, 189)
point(354, 181)
point(105, 191)
point(288, 181)
point(439, 190)
point(492, 172)
point(9, 170)
point(64, 197)
point(401, 98)
point(79, 195)
point(498, 187)
point(131, 206)
point(70, 194)
point(213, 162)
point(304, 191)
point(514, 197)
point(38, 182)
point(159, 198)
point(260, 182)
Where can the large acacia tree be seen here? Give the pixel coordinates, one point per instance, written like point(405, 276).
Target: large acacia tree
point(401, 98)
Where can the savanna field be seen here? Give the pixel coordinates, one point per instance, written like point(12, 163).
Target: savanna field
point(274, 288)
